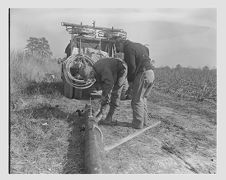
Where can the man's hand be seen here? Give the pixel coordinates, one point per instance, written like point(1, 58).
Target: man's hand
point(99, 117)
point(100, 112)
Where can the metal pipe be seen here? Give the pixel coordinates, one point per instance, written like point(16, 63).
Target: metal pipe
point(94, 151)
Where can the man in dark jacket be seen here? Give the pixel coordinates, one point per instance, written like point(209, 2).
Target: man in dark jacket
point(110, 74)
point(141, 75)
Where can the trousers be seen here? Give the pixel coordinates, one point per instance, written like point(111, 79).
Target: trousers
point(142, 86)
point(113, 97)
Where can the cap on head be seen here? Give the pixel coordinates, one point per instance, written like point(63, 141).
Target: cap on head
point(86, 71)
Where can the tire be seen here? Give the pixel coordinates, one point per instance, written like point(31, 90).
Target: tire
point(77, 93)
point(68, 90)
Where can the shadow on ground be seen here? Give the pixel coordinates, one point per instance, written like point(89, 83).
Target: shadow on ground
point(73, 161)
point(44, 88)
point(116, 123)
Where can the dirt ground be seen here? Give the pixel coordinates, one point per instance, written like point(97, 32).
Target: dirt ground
point(47, 137)
point(184, 142)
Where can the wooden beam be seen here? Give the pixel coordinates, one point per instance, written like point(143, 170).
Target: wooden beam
point(129, 137)
point(91, 27)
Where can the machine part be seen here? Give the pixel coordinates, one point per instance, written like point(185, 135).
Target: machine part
point(129, 137)
point(94, 31)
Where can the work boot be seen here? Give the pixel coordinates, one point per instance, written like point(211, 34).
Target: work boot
point(108, 120)
point(137, 124)
point(110, 115)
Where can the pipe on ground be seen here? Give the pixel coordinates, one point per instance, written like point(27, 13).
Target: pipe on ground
point(95, 162)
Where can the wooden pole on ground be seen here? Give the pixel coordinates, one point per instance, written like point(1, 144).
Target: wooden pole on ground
point(129, 137)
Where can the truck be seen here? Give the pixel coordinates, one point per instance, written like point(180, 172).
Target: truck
point(90, 42)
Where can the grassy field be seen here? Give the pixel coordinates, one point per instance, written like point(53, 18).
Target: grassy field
point(32, 112)
point(45, 130)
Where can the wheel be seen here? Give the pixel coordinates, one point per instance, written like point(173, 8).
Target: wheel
point(77, 93)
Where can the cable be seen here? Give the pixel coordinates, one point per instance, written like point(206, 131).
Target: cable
point(70, 79)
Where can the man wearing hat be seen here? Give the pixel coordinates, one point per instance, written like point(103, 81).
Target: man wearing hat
point(141, 75)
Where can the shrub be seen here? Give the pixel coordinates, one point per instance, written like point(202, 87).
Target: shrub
point(25, 70)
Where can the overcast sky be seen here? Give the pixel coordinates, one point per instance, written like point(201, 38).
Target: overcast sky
point(175, 36)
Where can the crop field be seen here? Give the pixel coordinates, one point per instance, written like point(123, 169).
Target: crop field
point(196, 84)
point(45, 130)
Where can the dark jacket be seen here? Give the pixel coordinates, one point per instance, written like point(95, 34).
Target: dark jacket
point(110, 73)
point(137, 58)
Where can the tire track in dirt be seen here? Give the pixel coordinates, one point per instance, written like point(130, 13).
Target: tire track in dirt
point(190, 140)
point(185, 141)
point(178, 157)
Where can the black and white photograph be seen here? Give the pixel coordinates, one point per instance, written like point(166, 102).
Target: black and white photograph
point(112, 90)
